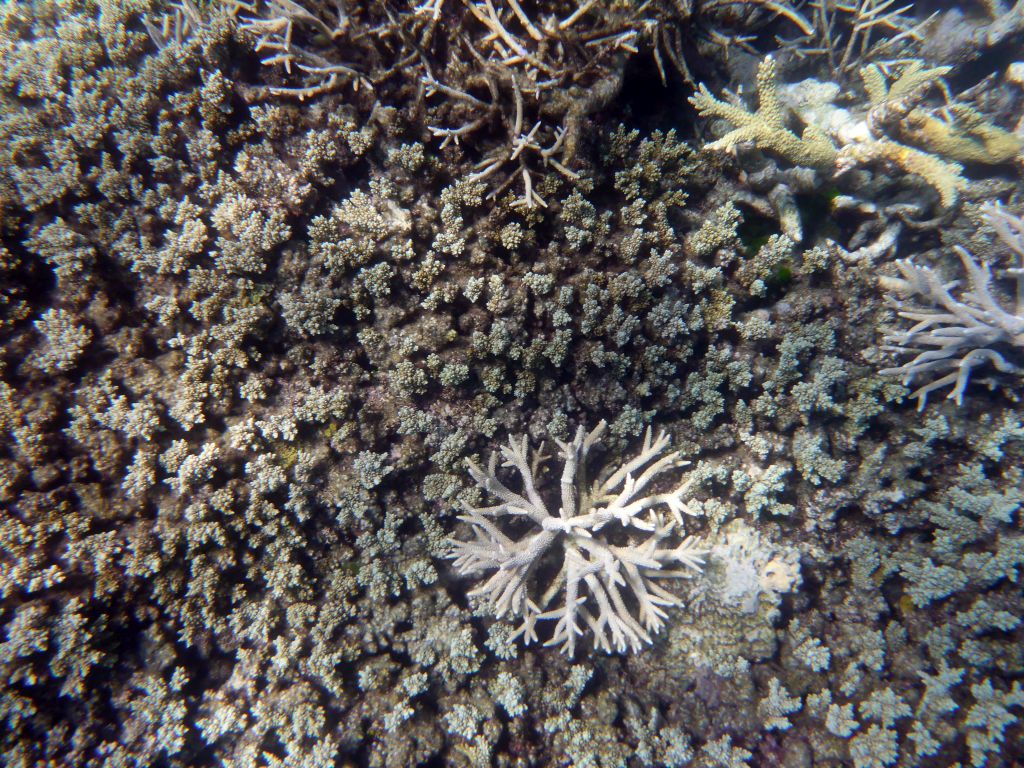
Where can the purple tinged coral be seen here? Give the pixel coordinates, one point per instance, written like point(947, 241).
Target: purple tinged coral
point(608, 579)
point(955, 331)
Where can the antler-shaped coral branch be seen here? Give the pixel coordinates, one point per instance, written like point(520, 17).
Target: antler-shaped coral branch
point(610, 582)
point(952, 335)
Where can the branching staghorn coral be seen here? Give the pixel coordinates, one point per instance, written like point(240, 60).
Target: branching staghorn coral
point(942, 176)
point(722, 23)
point(836, 140)
point(534, 81)
point(177, 24)
point(513, 90)
point(609, 579)
point(766, 127)
point(329, 45)
point(954, 334)
point(957, 132)
point(963, 134)
point(892, 101)
point(511, 84)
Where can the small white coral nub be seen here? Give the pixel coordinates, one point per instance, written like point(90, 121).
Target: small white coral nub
point(603, 552)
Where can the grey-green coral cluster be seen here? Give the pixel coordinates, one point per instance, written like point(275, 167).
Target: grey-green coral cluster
point(273, 275)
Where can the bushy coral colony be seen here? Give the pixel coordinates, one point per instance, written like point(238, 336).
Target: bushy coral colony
point(276, 276)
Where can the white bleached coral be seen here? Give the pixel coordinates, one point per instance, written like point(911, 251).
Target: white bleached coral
point(956, 331)
point(603, 552)
point(743, 567)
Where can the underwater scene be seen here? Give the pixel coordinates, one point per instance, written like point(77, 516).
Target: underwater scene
point(512, 383)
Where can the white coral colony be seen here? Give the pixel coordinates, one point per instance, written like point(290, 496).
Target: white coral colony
point(611, 536)
point(955, 329)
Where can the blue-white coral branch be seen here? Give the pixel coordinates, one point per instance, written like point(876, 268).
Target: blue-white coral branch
point(956, 331)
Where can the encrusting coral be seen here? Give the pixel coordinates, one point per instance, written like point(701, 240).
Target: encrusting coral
point(594, 570)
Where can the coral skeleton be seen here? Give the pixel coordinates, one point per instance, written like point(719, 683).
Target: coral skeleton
point(608, 578)
point(953, 334)
point(846, 33)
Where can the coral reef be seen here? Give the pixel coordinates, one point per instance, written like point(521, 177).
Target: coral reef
point(272, 273)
